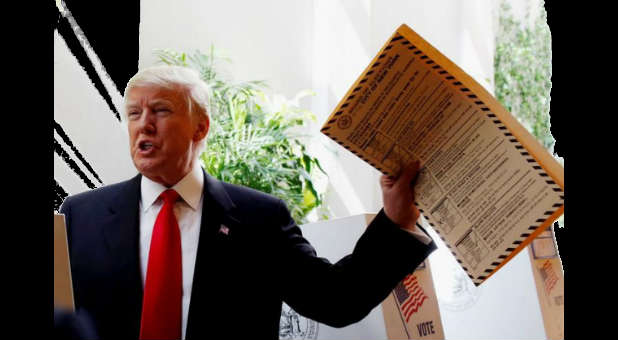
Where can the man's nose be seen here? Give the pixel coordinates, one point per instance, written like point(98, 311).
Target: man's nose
point(147, 122)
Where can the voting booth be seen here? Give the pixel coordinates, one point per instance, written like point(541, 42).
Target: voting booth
point(509, 305)
point(63, 287)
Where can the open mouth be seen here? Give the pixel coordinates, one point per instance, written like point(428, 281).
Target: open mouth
point(145, 146)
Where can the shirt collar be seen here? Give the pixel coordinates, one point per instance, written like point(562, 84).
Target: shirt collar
point(190, 188)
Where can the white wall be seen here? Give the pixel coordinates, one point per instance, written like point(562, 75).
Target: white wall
point(267, 40)
point(89, 123)
point(321, 45)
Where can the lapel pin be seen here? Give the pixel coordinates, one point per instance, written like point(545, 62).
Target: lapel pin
point(224, 230)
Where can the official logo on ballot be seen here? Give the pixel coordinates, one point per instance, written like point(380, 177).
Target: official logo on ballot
point(224, 230)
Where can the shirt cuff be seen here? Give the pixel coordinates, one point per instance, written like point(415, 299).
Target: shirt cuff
point(420, 235)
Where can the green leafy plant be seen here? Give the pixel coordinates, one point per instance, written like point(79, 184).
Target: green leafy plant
point(522, 72)
point(255, 140)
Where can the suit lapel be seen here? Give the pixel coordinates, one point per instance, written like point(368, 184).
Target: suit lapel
point(121, 227)
point(121, 233)
point(217, 209)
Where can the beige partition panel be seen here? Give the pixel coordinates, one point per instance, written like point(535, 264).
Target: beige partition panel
point(63, 288)
point(549, 280)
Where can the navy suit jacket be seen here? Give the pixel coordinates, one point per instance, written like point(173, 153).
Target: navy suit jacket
point(241, 278)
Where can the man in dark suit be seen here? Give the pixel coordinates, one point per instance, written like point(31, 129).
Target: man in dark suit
point(174, 253)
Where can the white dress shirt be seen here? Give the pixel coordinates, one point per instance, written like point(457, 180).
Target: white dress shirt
point(188, 211)
point(420, 235)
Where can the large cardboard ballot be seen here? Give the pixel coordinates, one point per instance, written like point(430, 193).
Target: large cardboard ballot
point(63, 287)
point(488, 187)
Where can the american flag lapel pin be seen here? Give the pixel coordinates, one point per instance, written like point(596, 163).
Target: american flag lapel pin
point(224, 230)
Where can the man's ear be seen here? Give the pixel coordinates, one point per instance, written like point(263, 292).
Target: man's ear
point(203, 124)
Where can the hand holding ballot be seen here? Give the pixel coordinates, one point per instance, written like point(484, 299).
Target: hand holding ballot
point(398, 196)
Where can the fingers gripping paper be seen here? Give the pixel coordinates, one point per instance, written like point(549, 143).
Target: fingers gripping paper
point(488, 187)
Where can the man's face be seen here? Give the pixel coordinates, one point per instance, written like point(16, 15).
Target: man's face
point(163, 134)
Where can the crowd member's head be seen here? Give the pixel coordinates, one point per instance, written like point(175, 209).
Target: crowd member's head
point(166, 111)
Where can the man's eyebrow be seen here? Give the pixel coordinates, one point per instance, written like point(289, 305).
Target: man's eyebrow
point(131, 105)
point(159, 101)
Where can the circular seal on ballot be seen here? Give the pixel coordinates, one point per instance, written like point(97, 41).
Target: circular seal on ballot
point(295, 326)
point(344, 122)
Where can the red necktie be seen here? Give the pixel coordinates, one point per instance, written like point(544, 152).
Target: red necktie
point(162, 308)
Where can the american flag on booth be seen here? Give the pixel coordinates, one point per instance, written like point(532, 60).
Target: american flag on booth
point(549, 276)
point(410, 296)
